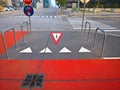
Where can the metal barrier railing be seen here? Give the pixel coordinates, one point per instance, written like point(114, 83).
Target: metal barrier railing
point(87, 23)
point(27, 29)
point(104, 40)
point(4, 44)
point(14, 36)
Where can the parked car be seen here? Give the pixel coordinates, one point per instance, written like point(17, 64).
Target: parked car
point(9, 8)
point(6, 8)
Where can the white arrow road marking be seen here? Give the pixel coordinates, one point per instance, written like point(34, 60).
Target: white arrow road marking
point(83, 50)
point(46, 50)
point(27, 50)
point(65, 50)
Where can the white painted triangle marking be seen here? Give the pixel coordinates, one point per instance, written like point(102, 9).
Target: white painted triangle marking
point(84, 50)
point(27, 50)
point(65, 50)
point(46, 50)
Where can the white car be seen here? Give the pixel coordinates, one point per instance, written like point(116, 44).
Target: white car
point(6, 9)
point(11, 9)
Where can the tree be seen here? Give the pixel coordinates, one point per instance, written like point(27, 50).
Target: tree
point(2, 2)
point(61, 2)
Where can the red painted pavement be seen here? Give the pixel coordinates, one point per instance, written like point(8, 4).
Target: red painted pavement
point(9, 39)
point(62, 74)
point(96, 74)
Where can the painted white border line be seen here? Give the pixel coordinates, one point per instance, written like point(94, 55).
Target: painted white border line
point(112, 30)
point(105, 29)
point(115, 35)
point(111, 58)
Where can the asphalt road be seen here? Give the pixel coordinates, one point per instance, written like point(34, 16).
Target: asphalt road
point(47, 20)
point(112, 21)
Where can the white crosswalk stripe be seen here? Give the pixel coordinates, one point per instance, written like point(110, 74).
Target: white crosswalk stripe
point(51, 16)
point(43, 16)
point(77, 24)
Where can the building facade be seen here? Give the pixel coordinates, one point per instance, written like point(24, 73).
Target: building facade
point(92, 3)
point(9, 2)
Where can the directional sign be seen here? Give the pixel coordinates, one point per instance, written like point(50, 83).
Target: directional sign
point(56, 36)
point(27, 1)
point(28, 11)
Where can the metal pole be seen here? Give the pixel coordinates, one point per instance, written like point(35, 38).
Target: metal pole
point(30, 24)
point(22, 33)
point(83, 15)
point(89, 31)
point(28, 30)
point(15, 38)
point(104, 41)
point(5, 46)
point(103, 46)
point(78, 4)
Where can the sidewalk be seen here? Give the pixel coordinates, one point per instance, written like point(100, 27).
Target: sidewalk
point(91, 14)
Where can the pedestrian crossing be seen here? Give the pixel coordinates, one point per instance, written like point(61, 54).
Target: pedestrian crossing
point(42, 16)
point(77, 24)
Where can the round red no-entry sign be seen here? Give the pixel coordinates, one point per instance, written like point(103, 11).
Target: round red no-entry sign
point(27, 1)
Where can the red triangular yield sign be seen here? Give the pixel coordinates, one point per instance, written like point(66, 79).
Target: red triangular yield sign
point(56, 36)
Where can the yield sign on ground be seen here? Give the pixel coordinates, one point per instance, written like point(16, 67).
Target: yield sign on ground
point(56, 36)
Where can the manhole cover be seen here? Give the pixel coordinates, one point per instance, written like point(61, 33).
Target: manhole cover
point(33, 80)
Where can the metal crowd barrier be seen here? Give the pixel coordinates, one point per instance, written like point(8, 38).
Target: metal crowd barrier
point(27, 29)
point(89, 24)
point(104, 40)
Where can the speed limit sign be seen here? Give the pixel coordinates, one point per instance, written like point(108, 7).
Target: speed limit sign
point(84, 1)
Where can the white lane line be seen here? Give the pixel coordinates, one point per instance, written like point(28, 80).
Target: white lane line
point(112, 30)
point(51, 16)
point(111, 57)
point(46, 16)
point(42, 16)
point(39, 16)
point(55, 16)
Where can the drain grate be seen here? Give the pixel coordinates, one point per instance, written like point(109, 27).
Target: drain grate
point(33, 80)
